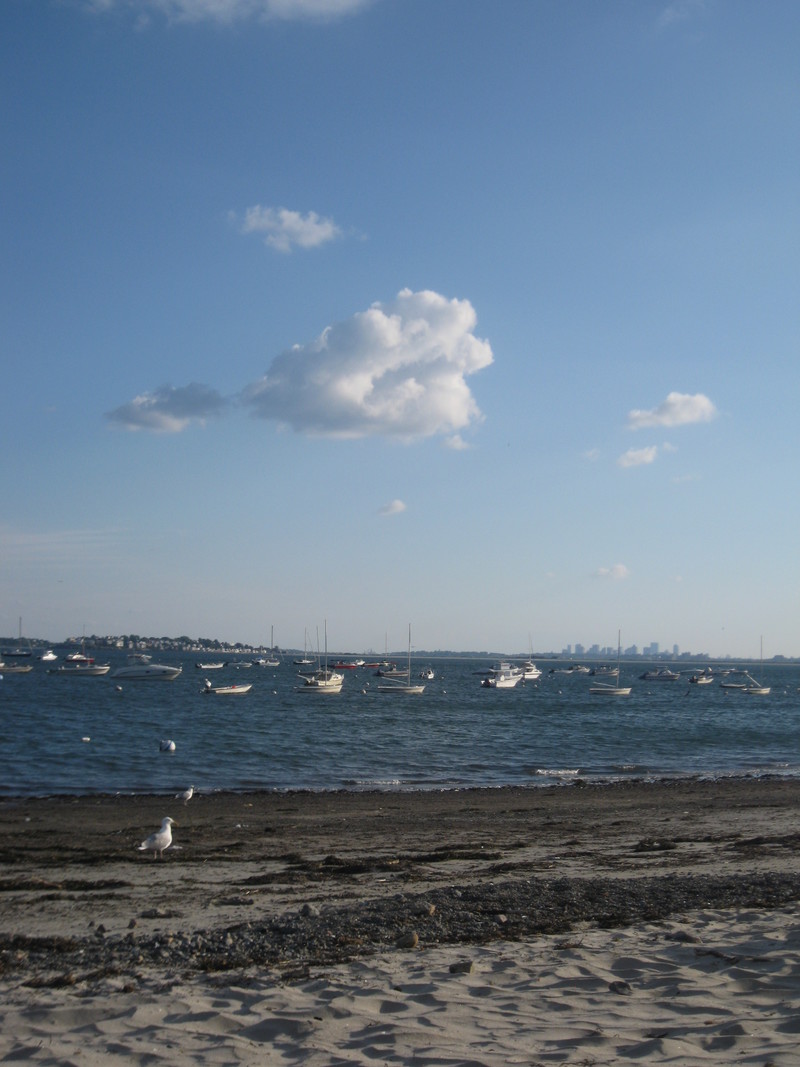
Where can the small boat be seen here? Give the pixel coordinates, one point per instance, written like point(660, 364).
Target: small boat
point(139, 667)
point(81, 669)
point(756, 688)
point(273, 660)
point(702, 678)
point(407, 686)
point(606, 689)
point(15, 668)
point(663, 674)
point(427, 673)
point(502, 676)
point(21, 651)
point(305, 660)
point(225, 690)
point(530, 672)
point(323, 680)
point(210, 666)
point(49, 656)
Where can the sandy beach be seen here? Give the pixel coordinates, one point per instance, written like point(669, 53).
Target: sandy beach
point(583, 925)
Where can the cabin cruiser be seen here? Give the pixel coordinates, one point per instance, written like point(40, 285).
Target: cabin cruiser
point(502, 676)
point(140, 667)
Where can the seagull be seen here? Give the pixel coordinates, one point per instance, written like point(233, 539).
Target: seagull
point(167, 746)
point(186, 795)
point(160, 840)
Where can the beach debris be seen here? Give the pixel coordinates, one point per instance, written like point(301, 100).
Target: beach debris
point(167, 746)
point(621, 988)
point(462, 967)
point(408, 939)
point(160, 840)
point(186, 795)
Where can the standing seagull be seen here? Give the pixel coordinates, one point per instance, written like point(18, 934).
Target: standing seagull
point(186, 795)
point(158, 842)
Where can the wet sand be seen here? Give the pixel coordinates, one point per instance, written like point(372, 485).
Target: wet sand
point(69, 862)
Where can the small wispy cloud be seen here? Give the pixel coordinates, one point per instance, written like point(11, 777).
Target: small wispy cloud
point(394, 507)
point(456, 442)
point(169, 409)
point(284, 230)
point(680, 11)
point(638, 457)
point(592, 454)
point(679, 409)
point(616, 572)
point(231, 11)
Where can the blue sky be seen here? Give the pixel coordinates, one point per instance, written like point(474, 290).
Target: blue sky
point(482, 316)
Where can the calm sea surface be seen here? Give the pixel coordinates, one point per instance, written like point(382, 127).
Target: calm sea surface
point(456, 734)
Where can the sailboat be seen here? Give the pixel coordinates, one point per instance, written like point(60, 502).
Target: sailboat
point(530, 672)
point(756, 688)
point(272, 660)
point(404, 687)
point(323, 680)
point(608, 690)
point(21, 651)
point(305, 661)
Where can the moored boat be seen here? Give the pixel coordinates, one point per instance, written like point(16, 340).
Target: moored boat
point(81, 669)
point(225, 690)
point(502, 676)
point(140, 667)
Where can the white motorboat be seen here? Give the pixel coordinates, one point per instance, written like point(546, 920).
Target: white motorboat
point(210, 666)
point(140, 667)
point(663, 674)
point(427, 673)
point(502, 676)
point(530, 672)
point(701, 678)
point(81, 669)
point(225, 690)
point(407, 686)
point(607, 689)
point(49, 656)
point(15, 668)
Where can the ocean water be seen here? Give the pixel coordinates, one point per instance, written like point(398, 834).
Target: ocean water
point(455, 735)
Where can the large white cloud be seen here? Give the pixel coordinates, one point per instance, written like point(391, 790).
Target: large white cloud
point(283, 229)
point(678, 409)
point(169, 409)
point(398, 369)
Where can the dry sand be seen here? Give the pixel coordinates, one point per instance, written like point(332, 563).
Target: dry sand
point(581, 925)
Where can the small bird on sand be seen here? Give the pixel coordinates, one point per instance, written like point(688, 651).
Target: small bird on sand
point(186, 795)
point(159, 841)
